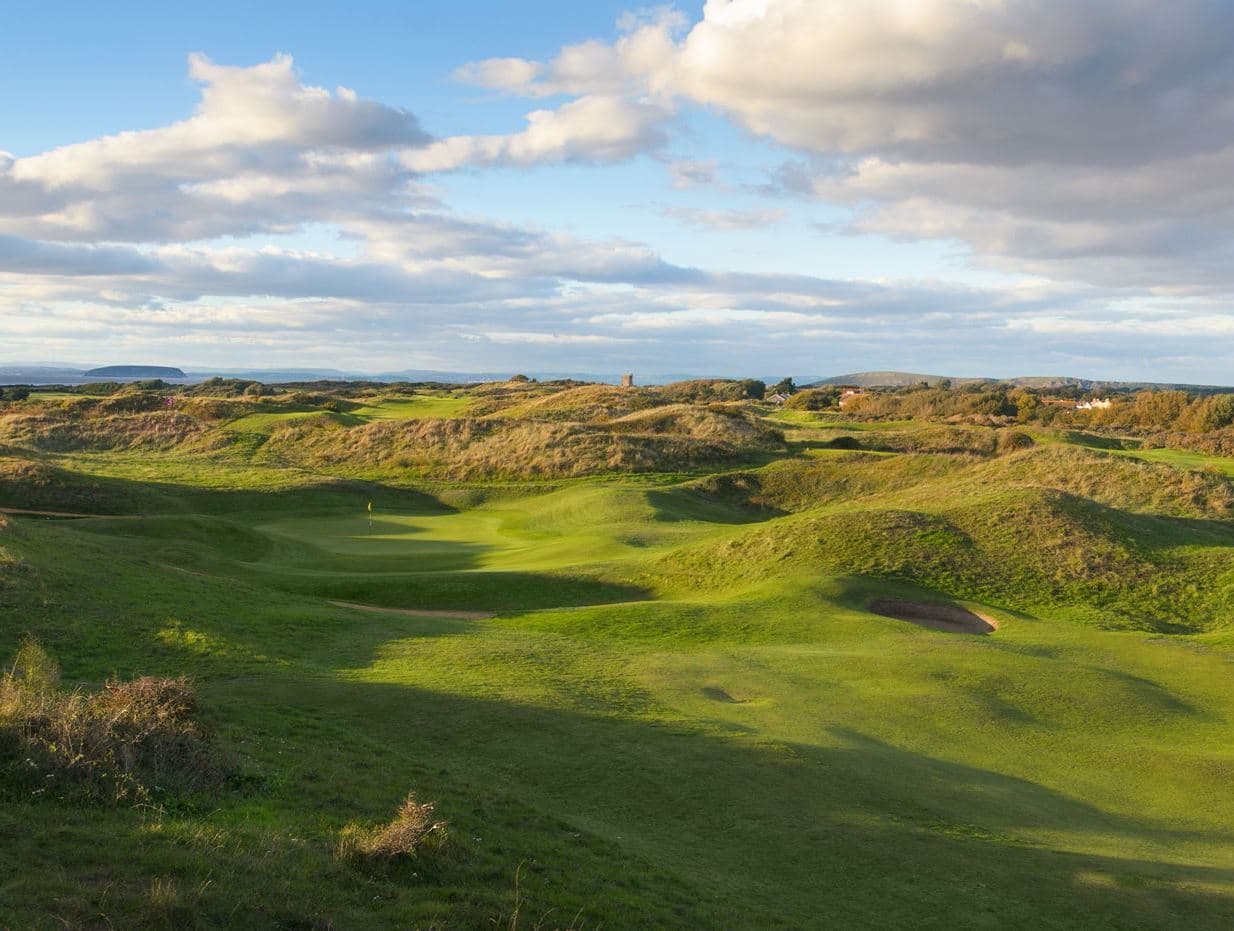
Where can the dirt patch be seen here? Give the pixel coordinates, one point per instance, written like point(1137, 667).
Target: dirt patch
point(936, 615)
point(414, 612)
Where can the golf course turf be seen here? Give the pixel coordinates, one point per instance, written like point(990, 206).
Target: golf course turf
point(684, 697)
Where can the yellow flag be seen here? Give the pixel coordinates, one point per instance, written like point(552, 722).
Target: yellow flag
point(370, 507)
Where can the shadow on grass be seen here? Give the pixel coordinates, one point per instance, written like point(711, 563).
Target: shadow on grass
point(690, 504)
point(1098, 441)
point(863, 832)
point(493, 591)
point(620, 822)
point(52, 487)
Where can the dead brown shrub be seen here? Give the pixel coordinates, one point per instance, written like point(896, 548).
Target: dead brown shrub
point(129, 742)
point(412, 832)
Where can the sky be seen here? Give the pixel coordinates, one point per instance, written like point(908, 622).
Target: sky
point(736, 187)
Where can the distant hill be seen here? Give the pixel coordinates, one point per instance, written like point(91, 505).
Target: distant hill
point(1039, 382)
point(135, 371)
point(891, 379)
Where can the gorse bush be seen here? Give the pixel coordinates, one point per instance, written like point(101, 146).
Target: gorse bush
point(129, 742)
point(412, 832)
point(1010, 441)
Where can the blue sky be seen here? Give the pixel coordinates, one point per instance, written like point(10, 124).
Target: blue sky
point(740, 187)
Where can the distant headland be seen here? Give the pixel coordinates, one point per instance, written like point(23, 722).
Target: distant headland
point(135, 371)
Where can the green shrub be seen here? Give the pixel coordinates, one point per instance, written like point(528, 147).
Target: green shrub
point(814, 399)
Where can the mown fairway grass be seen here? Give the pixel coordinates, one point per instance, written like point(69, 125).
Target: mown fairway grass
point(414, 408)
point(681, 714)
point(1131, 447)
point(1183, 459)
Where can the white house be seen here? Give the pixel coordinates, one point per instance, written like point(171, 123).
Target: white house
point(847, 394)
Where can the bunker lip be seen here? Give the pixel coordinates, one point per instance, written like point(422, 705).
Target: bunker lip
point(937, 615)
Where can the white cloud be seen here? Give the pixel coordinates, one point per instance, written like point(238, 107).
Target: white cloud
point(262, 152)
point(724, 220)
point(1090, 141)
point(589, 129)
point(687, 173)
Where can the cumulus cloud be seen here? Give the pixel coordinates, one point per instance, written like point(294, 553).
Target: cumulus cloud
point(591, 67)
point(261, 153)
point(1084, 141)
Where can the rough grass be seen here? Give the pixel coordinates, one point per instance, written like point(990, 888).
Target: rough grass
point(586, 403)
point(154, 430)
point(730, 424)
point(469, 449)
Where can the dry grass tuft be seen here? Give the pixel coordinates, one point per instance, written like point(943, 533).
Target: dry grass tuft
point(129, 742)
point(412, 832)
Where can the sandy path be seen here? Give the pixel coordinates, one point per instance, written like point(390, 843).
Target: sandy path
point(414, 612)
point(936, 615)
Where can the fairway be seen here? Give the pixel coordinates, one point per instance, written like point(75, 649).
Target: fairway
point(401, 408)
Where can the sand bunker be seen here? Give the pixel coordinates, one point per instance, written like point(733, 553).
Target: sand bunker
point(936, 615)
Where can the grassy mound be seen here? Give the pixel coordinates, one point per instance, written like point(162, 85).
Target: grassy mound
point(1030, 549)
point(1118, 481)
point(158, 430)
point(798, 484)
point(935, 438)
point(715, 423)
point(468, 448)
point(586, 403)
point(25, 483)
